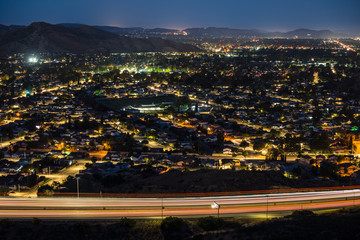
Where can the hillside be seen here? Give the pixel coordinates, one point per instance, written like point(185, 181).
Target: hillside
point(44, 37)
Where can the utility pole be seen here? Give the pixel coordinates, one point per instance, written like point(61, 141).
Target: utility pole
point(354, 199)
point(267, 206)
point(77, 184)
point(162, 208)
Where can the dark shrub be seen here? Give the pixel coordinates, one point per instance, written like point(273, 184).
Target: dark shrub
point(126, 222)
point(175, 228)
point(211, 223)
point(303, 213)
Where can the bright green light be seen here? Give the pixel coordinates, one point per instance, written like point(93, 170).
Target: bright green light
point(354, 128)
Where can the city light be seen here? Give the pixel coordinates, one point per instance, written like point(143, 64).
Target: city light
point(33, 60)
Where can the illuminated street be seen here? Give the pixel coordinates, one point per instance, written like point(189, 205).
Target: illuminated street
point(102, 208)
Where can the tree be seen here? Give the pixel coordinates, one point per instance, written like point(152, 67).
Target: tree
point(182, 101)
point(320, 142)
point(259, 145)
point(244, 144)
point(290, 144)
point(272, 154)
point(4, 190)
point(93, 159)
point(175, 228)
point(244, 153)
point(31, 180)
point(46, 189)
point(328, 169)
point(316, 115)
point(172, 224)
point(220, 138)
point(302, 213)
point(211, 223)
point(274, 133)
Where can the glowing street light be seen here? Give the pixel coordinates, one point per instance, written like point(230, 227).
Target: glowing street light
point(217, 206)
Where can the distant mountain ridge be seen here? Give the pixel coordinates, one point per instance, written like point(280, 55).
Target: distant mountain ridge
point(206, 32)
point(215, 32)
point(45, 37)
point(222, 32)
point(303, 33)
point(4, 28)
point(244, 33)
point(136, 30)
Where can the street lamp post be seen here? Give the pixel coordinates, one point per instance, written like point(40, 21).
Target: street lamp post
point(162, 208)
point(354, 199)
point(267, 206)
point(217, 206)
point(77, 184)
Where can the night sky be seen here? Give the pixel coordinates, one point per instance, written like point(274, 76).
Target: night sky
point(282, 15)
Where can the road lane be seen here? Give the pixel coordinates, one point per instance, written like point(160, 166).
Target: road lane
point(190, 206)
point(156, 212)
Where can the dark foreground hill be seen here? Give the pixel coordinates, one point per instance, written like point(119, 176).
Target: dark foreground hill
point(44, 37)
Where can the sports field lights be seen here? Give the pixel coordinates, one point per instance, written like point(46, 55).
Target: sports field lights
point(33, 59)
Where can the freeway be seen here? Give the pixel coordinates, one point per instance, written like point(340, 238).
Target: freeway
point(112, 208)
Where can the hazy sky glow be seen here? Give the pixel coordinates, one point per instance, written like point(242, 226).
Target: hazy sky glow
point(337, 15)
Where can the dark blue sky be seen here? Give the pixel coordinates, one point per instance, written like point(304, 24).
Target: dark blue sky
point(338, 15)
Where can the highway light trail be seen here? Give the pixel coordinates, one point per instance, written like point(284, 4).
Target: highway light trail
point(102, 208)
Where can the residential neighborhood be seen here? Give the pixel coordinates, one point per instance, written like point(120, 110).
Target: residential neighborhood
point(257, 107)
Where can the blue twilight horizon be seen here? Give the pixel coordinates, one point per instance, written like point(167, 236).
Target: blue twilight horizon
point(270, 15)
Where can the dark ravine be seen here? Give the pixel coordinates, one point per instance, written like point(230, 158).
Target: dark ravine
point(44, 37)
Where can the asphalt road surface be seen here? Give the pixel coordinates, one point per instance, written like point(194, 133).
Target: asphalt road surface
point(256, 205)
